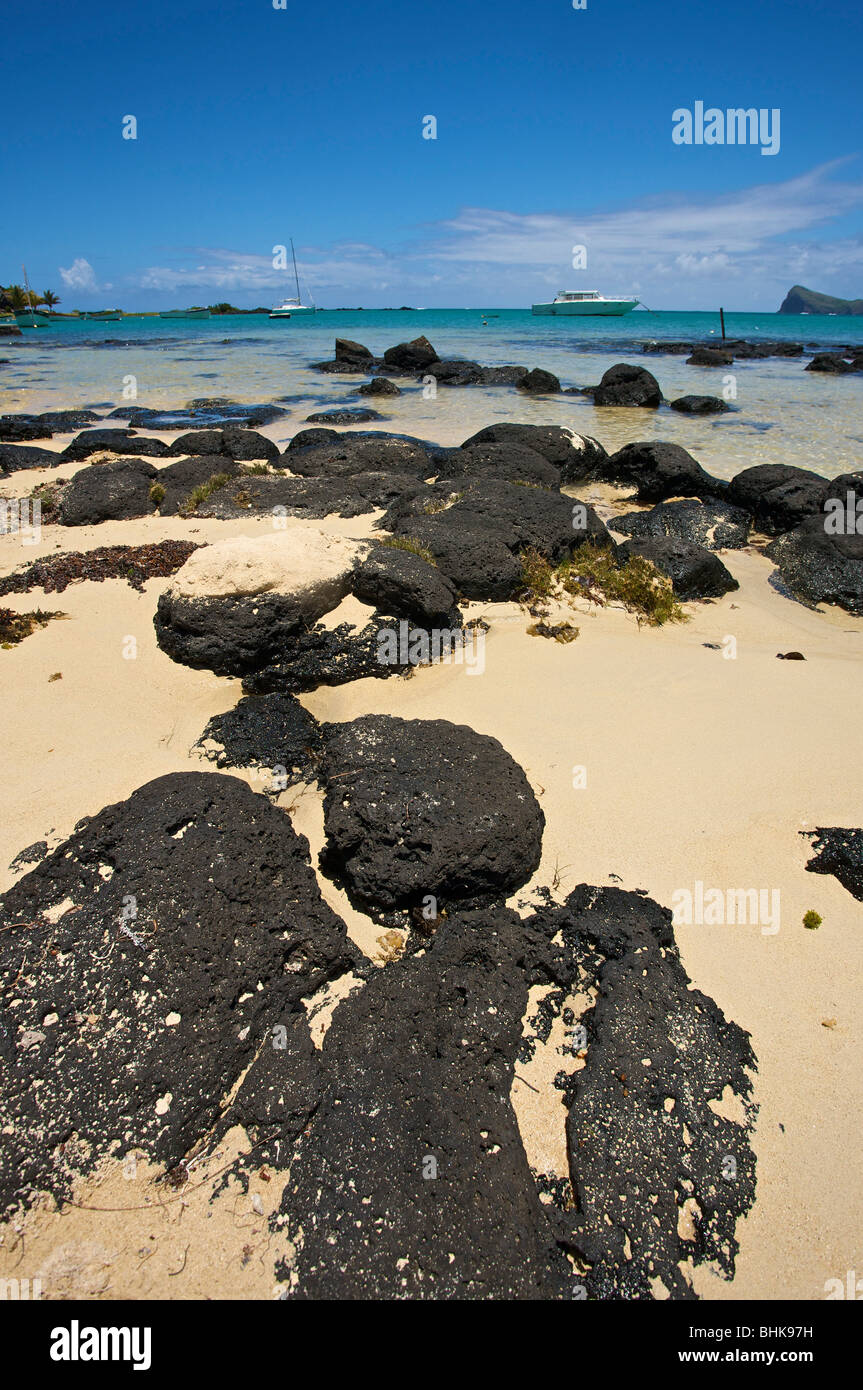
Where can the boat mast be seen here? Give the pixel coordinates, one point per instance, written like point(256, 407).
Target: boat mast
point(296, 276)
point(29, 296)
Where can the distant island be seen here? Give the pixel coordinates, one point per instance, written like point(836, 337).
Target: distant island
point(799, 300)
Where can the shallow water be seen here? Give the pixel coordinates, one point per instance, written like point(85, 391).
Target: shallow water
point(783, 414)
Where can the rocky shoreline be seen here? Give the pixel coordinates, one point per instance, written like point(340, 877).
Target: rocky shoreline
point(161, 964)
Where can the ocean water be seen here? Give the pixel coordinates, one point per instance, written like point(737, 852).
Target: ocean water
point(782, 414)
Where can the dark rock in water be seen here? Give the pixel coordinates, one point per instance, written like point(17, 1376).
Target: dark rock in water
point(512, 463)
point(343, 417)
point(838, 852)
point(503, 376)
point(660, 470)
point(539, 383)
point(413, 1182)
point(829, 362)
point(379, 386)
point(179, 480)
point(16, 457)
point(413, 356)
point(44, 425)
point(304, 439)
point(455, 373)
point(241, 445)
point(197, 929)
point(778, 495)
point(576, 455)
point(790, 656)
point(428, 807)
point(674, 349)
point(337, 656)
point(272, 731)
point(710, 357)
point(694, 571)
point(216, 412)
point(670, 1176)
point(628, 385)
point(712, 524)
point(348, 351)
point(114, 441)
point(700, 405)
point(360, 453)
point(820, 567)
point(115, 491)
point(404, 585)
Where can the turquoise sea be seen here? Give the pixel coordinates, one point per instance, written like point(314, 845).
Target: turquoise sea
point(782, 413)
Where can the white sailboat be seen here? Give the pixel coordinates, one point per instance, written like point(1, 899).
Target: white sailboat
point(289, 307)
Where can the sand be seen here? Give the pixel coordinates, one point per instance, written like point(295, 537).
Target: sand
point(697, 767)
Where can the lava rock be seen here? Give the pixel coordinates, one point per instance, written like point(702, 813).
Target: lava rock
point(16, 457)
point(714, 525)
point(235, 605)
point(539, 383)
point(694, 572)
point(181, 478)
point(778, 495)
point(355, 353)
point(577, 456)
point(710, 357)
point(700, 405)
point(839, 852)
point(271, 731)
point(195, 927)
point(404, 585)
point(411, 357)
point(455, 372)
point(342, 417)
point(115, 491)
point(503, 376)
point(660, 470)
point(512, 463)
point(821, 567)
point(379, 386)
point(339, 655)
point(627, 385)
point(240, 445)
point(360, 453)
point(114, 441)
point(412, 821)
point(831, 362)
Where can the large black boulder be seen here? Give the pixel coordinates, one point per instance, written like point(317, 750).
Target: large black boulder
point(272, 731)
point(114, 441)
point(576, 455)
point(715, 525)
point(115, 491)
point(379, 386)
point(700, 405)
point(359, 453)
point(539, 383)
point(238, 444)
point(694, 571)
point(404, 585)
point(624, 384)
point(455, 372)
point(710, 357)
point(179, 480)
point(16, 457)
point(411, 357)
point(832, 362)
point(354, 353)
point(190, 926)
point(660, 470)
point(513, 463)
point(819, 566)
point(778, 495)
point(418, 808)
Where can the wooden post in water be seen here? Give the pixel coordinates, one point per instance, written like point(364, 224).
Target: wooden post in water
point(722, 321)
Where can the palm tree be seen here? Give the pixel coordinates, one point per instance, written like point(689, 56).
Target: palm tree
point(17, 296)
point(50, 298)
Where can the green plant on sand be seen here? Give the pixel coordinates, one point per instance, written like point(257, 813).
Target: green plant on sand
point(811, 919)
point(14, 627)
point(412, 546)
point(591, 572)
point(157, 494)
point(200, 493)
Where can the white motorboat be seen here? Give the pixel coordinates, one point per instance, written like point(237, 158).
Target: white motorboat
point(584, 302)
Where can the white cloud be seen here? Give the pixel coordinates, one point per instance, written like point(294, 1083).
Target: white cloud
point(79, 276)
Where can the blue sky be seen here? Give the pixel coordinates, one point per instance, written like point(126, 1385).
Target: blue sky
point(554, 125)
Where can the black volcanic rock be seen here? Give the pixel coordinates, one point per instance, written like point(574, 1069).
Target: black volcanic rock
point(195, 926)
point(115, 491)
point(16, 457)
point(272, 731)
point(699, 405)
point(238, 444)
point(509, 462)
point(829, 362)
point(503, 376)
point(715, 525)
point(411, 821)
point(114, 441)
point(839, 852)
point(627, 385)
point(710, 357)
point(819, 566)
point(694, 571)
point(402, 584)
point(576, 455)
point(411, 357)
point(342, 417)
point(379, 386)
point(659, 470)
point(354, 353)
point(455, 372)
point(539, 383)
point(359, 453)
point(778, 495)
